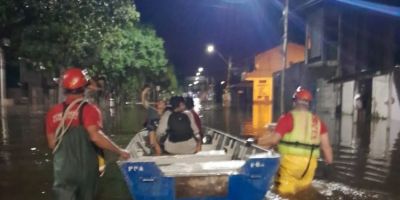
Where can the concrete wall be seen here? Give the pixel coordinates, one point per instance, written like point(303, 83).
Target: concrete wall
point(348, 97)
point(271, 61)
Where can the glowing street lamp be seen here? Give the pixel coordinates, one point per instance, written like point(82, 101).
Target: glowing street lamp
point(190, 85)
point(201, 69)
point(197, 78)
point(196, 82)
point(210, 48)
point(198, 74)
point(228, 61)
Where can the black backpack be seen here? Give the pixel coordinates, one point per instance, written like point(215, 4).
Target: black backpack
point(179, 128)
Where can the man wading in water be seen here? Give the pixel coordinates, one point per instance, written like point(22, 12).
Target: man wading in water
point(299, 135)
point(74, 134)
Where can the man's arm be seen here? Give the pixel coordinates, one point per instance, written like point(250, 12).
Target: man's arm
point(101, 140)
point(195, 129)
point(154, 143)
point(145, 101)
point(51, 140)
point(163, 125)
point(193, 124)
point(326, 148)
point(284, 125)
point(50, 130)
point(269, 140)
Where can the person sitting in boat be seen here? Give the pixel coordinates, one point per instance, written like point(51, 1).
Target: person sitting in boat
point(189, 103)
point(153, 117)
point(180, 129)
point(300, 135)
point(153, 120)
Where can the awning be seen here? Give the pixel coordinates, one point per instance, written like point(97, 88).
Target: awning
point(377, 7)
point(257, 74)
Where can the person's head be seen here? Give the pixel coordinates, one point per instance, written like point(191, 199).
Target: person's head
point(177, 103)
point(161, 104)
point(74, 81)
point(189, 103)
point(302, 99)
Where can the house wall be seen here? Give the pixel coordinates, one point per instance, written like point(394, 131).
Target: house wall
point(271, 61)
point(368, 42)
point(266, 63)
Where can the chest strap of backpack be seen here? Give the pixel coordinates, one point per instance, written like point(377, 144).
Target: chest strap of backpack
point(299, 144)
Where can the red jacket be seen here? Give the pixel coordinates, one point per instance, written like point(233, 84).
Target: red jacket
point(198, 122)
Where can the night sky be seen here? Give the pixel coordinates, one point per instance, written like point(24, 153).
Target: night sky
point(240, 28)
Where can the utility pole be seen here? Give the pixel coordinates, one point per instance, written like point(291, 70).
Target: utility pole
point(285, 14)
point(2, 78)
point(228, 78)
point(4, 125)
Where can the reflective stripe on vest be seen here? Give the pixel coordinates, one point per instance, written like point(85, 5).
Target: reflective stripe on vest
point(304, 137)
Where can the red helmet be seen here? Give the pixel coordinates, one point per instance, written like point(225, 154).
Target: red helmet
point(302, 94)
point(75, 78)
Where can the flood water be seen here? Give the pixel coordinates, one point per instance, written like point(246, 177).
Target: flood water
point(367, 156)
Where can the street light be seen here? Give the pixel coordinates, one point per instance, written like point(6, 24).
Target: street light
point(201, 69)
point(197, 78)
point(210, 48)
point(198, 74)
point(196, 82)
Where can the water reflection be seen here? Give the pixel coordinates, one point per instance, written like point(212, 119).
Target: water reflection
point(261, 117)
point(364, 152)
point(4, 125)
point(367, 152)
point(367, 162)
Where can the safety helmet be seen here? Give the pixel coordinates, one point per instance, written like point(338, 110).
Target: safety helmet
point(75, 78)
point(302, 95)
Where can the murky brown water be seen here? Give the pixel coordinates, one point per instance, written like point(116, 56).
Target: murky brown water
point(367, 162)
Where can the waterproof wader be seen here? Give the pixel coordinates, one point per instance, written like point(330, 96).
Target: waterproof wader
point(75, 166)
point(300, 151)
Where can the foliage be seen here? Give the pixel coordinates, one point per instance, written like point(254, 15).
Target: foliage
point(102, 35)
point(134, 53)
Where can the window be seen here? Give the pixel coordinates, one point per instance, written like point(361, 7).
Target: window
point(314, 34)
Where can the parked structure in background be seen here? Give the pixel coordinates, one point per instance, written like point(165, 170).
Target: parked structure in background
point(32, 86)
point(352, 50)
point(267, 63)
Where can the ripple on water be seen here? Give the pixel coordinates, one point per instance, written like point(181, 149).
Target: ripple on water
point(332, 191)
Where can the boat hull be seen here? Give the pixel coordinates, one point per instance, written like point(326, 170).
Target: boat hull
point(201, 177)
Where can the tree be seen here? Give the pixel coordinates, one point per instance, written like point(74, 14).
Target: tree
point(102, 35)
point(132, 55)
point(65, 33)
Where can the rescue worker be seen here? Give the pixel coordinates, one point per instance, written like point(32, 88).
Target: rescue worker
point(299, 135)
point(73, 130)
point(179, 128)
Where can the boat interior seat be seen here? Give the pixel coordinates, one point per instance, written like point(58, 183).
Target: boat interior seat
point(207, 147)
point(202, 156)
point(203, 168)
